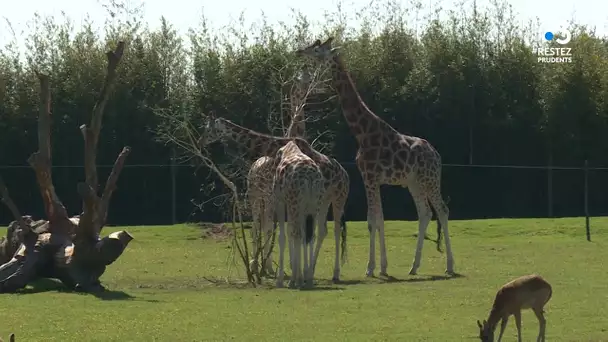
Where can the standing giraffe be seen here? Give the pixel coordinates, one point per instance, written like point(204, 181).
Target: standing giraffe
point(299, 188)
point(258, 144)
point(386, 156)
point(337, 180)
point(259, 195)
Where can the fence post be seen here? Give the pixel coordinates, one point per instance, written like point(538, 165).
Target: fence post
point(173, 187)
point(587, 200)
point(550, 186)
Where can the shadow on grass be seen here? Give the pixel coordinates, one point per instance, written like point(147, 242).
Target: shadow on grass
point(49, 285)
point(270, 284)
point(391, 279)
point(327, 284)
point(44, 285)
point(112, 295)
point(320, 288)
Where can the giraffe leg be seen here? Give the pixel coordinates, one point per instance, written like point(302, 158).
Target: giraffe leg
point(307, 270)
point(442, 215)
point(338, 211)
point(321, 218)
point(311, 252)
point(383, 257)
point(255, 236)
point(424, 217)
point(374, 217)
point(280, 211)
point(297, 238)
point(268, 228)
point(292, 257)
point(295, 244)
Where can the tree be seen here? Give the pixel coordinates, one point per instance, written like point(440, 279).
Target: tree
point(68, 249)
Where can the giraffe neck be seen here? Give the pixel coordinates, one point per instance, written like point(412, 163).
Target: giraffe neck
point(361, 120)
point(256, 144)
point(297, 127)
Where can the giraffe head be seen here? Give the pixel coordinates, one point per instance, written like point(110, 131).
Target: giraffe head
point(319, 53)
point(215, 129)
point(303, 78)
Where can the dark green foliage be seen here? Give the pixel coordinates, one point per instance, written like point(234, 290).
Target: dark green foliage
point(475, 91)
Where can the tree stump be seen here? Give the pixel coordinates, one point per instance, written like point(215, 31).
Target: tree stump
point(68, 249)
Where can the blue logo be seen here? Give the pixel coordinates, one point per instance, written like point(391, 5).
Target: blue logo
point(562, 41)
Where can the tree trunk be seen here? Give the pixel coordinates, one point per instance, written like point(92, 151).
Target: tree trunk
point(68, 249)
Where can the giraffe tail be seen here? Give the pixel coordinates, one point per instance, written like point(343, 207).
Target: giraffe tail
point(309, 228)
point(343, 238)
point(438, 241)
point(313, 196)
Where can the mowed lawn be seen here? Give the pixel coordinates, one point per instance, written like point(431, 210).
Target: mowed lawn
point(162, 292)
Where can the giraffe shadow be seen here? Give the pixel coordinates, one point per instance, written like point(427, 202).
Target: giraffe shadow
point(320, 288)
point(426, 278)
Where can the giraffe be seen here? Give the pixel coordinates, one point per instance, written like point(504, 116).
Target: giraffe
point(258, 186)
point(386, 156)
point(298, 188)
point(337, 180)
point(259, 195)
point(258, 144)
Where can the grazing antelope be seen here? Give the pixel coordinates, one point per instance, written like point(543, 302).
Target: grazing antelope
point(11, 338)
point(526, 292)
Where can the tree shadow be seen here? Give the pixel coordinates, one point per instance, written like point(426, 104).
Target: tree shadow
point(112, 295)
point(50, 285)
point(44, 285)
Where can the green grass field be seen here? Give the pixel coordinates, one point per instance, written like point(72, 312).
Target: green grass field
point(161, 291)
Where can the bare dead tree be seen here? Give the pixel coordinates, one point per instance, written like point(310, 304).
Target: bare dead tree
point(298, 87)
point(181, 131)
point(69, 247)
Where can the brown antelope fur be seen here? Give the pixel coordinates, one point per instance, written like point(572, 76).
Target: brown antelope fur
point(526, 292)
point(11, 338)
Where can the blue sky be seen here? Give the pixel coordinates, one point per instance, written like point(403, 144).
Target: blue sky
point(184, 14)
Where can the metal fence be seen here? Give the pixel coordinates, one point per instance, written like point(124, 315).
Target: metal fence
point(164, 194)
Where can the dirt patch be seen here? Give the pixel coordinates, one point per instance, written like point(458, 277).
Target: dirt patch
point(215, 231)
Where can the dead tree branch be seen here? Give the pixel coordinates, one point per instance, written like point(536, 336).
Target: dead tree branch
point(6, 198)
point(183, 134)
point(60, 248)
point(41, 163)
point(94, 208)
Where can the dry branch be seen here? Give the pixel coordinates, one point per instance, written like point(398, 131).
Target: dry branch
point(41, 162)
point(111, 185)
point(94, 208)
point(6, 198)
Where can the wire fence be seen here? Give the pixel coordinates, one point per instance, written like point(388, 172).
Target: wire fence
point(164, 193)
